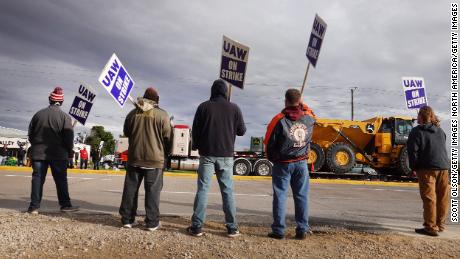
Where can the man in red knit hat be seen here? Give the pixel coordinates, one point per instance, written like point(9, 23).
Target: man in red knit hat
point(51, 139)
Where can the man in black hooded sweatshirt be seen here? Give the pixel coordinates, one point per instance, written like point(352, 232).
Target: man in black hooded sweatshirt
point(427, 152)
point(215, 126)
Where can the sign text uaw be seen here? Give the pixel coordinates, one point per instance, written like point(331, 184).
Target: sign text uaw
point(82, 104)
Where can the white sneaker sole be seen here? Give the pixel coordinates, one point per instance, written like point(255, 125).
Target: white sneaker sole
point(234, 235)
point(155, 228)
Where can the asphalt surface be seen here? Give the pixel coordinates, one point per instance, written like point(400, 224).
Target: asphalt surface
point(360, 207)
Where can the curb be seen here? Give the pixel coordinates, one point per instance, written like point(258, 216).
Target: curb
point(235, 177)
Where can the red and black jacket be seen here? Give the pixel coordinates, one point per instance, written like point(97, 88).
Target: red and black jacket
point(289, 134)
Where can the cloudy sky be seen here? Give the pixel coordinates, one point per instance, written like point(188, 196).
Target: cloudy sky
point(176, 46)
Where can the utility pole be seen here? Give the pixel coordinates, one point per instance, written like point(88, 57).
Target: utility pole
point(352, 89)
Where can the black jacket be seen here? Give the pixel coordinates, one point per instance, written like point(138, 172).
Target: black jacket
point(426, 147)
point(50, 134)
point(216, 124)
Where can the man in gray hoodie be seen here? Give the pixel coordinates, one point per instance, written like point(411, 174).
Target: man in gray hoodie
point(149, 132)
point(51, 138)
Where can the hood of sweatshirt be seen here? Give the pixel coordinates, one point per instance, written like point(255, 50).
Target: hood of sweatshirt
point(145, 104)
point(429, 127)
point(219, 89)
point(293, 113)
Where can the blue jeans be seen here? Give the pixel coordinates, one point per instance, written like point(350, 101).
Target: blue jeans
point(59, 171)
point(296, 175)
point(223, 167)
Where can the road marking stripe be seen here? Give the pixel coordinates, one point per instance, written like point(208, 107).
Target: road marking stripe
point(239, 178)
point(210, 193)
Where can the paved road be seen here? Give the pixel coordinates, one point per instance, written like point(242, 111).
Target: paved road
point(359, 207)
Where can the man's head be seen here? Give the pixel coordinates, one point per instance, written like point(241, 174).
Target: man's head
point(152, 94)
point(56, 96)
point(292, 97)
point(219, 88)
point(426, 115)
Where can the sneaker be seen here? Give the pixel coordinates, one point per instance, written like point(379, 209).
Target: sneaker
point(69, 209)
point(424, 231)
point(302, 235)
point(130, 225)
point(154, 228)
point(32, 211)
point(196, 232)
point(275, 236)
point(233, 232)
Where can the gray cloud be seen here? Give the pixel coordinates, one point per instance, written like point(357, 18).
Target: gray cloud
point(175, 46)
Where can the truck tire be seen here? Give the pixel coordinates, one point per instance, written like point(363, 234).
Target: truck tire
point(403, 163)
point(316, 157)
point(340, 158)
point(241, 166)
point(263, 167)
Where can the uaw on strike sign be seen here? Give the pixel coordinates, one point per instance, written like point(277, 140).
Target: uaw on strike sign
point(116, 80)
point(82, 103)
point(316, 40)
point(414, 91)
point(234, 61)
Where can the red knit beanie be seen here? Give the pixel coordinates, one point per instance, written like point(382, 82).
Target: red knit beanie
point(151, 94)
point(57, 95)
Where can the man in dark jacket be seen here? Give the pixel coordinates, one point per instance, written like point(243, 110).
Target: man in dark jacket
point(287, 142)
point(427, 152)
point(4, 154)
point(21, 155)
point(96, 157)
point(149, 132)
point(51, 139)
point(215, 126)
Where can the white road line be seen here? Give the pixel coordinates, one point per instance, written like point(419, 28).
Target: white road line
point(210, 193)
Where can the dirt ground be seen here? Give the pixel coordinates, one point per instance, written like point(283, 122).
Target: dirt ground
point(56, 235)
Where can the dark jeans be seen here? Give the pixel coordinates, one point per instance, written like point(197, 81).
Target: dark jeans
point(83, 162)
point(70, 163)
point(153, 183)
point(59, 172)
point(96, 165)
point(20, 161)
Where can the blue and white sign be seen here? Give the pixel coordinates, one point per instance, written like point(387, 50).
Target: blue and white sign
point(233, 62)
point(414, 91)
point(116, 80)
point(316, 40)
point(82, 103)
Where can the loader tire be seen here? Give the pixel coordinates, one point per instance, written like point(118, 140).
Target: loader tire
point(403, 163)
point(316, 157)
point(340, 158)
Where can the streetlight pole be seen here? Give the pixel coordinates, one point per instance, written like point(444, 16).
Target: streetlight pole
point(352, 89)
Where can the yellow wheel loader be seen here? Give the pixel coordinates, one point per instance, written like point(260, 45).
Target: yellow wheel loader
point(337, 145)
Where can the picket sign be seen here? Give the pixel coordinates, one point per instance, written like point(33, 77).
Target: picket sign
point(233, 63)
point(116, 80)
point(314, 45)
point(82, 104)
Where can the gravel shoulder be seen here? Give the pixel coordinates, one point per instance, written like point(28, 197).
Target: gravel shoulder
point(57, 235)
